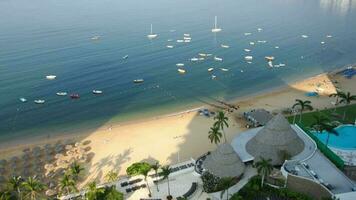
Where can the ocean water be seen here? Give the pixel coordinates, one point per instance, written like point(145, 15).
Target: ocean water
point(38, 38)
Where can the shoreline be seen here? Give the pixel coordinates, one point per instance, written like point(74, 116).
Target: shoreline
point(80, 133)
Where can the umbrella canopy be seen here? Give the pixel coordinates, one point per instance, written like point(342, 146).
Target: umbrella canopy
point(224, 162)
point(274, 140)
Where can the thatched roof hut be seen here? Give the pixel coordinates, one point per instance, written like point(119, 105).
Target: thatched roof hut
point(274, 141)
point(224, 162)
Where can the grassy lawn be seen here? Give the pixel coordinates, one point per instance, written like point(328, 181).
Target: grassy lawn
point(253, 190)
point(307, 118)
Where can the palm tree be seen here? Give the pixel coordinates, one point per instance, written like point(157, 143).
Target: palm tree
point(225, 183)
point(214, 135)
point(75, 170)
point(94, 192)
point(346, 98)
point(33, 188)
point(156, 167)
point(264, 168)
point(15, 184)
point(303, 105)
point(337, 94)
point(67, 183)
point(166, 171)
point(111, 176)
point(221, 122)
point(329, 127)
point(145, 172)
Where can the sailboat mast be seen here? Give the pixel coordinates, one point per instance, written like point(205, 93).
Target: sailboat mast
point(151, 29)
point(216, 18)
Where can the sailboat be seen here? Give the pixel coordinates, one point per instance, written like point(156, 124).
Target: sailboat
point(151, 35)
point(216, 29)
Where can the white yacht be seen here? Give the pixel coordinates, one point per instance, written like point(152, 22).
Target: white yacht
point(248, 58)
point(23, 100)
point(210, 69)
point(180, 64)
point(225, 46)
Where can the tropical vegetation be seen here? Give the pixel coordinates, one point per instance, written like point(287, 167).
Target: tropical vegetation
point(264, 168)
point(302, 106)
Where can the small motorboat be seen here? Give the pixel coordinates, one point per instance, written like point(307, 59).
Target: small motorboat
point(202, 54)
point(180, 41)
point(269, 58)
point(201, 59)
point(270, 64)
point(276, 47)
point(138, 80)
point(74, 96)
point(276, 66)
point(182, 71)
point(186, 35)
point(259, 29)
point(169, 40)
point(322, 42)
point(305, 36)
point(180, 64)
point(125, 57)
point(187, 38)
point(23, 100)
point(95, 37)
point(249, 62)
point(225, 46)
point(329, 36)
point(170, 46)
point(252, 43)
point(248, 58)
point(246, 34)
point(247, 50)
point(187, 41)
point(39, 101)
point(282, 64)
point(210, 69)
point(97, 92)
point(218, 59)
point(51, 77)
point(61, 94)
point(224, 69)
point(261, 41)
point(194, 59)
point(242, 71)
point(213, 77)
point(208, 54)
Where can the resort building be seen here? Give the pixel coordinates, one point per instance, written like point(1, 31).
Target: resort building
point(305, 168)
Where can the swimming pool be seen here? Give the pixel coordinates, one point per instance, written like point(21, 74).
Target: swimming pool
point(345, 140)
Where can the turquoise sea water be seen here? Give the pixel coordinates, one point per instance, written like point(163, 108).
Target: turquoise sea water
point(345, 140)
point(38, 38)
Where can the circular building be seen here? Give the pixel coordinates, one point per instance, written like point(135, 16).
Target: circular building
point(224, 162)
point(275, 141)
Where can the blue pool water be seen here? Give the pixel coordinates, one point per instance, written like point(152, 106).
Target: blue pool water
point(39, 38)
point(345, 140)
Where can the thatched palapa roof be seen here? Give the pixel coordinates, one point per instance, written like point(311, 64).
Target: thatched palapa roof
point(275, 139)
point(224, 162)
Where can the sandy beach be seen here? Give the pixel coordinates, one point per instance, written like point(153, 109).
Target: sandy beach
point(175, 138)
